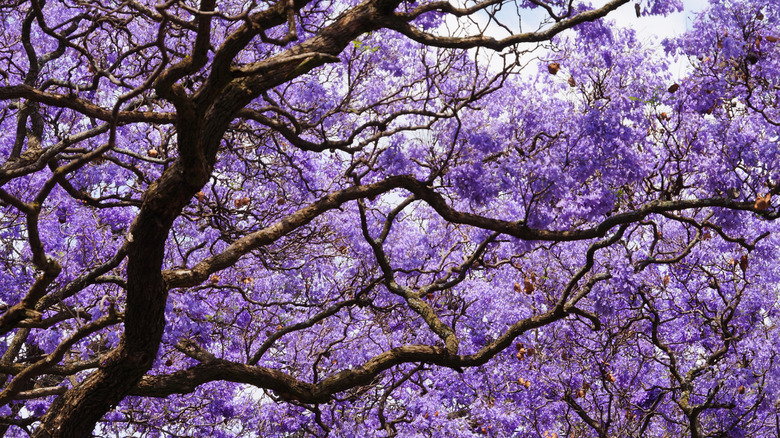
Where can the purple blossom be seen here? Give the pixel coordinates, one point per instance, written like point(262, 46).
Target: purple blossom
point(366, 219)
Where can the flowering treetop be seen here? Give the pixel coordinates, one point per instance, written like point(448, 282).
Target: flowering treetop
point(343, 218)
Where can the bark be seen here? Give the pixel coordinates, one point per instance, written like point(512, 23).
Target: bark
point(76, 413)
point(201, 121)
point(201, 124)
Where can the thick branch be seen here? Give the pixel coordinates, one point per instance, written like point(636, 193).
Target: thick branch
point(82, 106)
point(200, 272)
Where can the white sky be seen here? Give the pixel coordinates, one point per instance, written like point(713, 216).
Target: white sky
point(650, 29)
point(662, 26)
point(658, 26)
point(645, 26)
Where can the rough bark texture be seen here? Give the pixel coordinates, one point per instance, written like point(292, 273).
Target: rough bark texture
point(201, 120)
point(201, 126)
point(77, 412)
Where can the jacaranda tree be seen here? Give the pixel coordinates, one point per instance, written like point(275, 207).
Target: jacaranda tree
point(388, 218)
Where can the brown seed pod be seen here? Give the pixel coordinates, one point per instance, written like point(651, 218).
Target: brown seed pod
point(743, 263)
point(674, 87)
point(553, 68)
point(518, 287)
point(521, 351)
point(572, 82)
point(528, 286)
point(152, 153)
point(770, 38)
point(762, 202)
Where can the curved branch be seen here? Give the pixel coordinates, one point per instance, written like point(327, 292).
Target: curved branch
point(17, 384)
point(200, 272)
point(400, 23)
point(82, 106)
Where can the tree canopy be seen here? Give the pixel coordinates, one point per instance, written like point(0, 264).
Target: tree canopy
point(385, 218)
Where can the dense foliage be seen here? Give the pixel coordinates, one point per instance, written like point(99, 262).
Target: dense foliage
point(383, 217)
